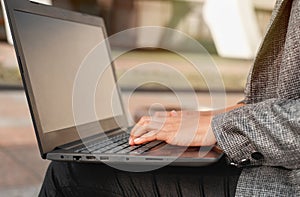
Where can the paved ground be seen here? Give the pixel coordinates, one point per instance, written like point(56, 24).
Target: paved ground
point(7, 56)
point(22, 169)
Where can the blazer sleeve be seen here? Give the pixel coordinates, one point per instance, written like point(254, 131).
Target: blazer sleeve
point(264, 133)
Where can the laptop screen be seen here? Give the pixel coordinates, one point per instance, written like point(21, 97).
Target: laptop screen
point(54, 50)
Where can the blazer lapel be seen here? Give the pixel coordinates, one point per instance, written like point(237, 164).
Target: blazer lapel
point(262, 83)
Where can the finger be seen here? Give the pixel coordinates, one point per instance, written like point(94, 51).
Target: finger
point(157, 124)
point(143, 121)
point(130, 141)
point(143, 126)
point(153, 125)
point(141, 130)
point(166, 113)
point(162, 114)
point(150, 136)
point(173, 113)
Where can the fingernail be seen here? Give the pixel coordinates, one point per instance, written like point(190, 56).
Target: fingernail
point(173, 113)
point(131, 141)
point(137, 140)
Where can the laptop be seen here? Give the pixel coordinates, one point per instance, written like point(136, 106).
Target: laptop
point(50, 45)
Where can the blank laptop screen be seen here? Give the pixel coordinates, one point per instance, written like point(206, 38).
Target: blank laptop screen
point(53, 50)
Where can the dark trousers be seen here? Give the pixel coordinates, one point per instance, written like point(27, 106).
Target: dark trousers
point(78, 179)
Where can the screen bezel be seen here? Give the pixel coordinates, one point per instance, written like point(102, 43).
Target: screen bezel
point(49, 141)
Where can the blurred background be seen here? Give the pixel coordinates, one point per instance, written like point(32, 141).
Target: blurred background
point(230, 30)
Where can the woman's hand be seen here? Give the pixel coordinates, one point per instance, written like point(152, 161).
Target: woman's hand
point(184, 128)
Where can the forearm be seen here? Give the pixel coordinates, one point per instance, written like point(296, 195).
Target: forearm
point(271, 128)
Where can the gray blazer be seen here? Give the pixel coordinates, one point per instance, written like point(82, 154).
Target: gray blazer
point(263, 137)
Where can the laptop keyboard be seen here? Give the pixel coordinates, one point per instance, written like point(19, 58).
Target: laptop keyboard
point(117, 144)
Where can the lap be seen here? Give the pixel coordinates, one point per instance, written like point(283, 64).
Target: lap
point(79, 179)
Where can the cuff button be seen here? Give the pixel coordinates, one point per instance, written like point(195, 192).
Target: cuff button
point(245, 162)
point(257, 156)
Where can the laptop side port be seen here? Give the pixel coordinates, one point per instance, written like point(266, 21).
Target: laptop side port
point(76, 158)
point(103, 158)
point(90, 157)
point(154, 159)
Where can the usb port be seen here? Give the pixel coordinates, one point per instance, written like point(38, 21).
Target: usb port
point(90, 157)
point(103, 158)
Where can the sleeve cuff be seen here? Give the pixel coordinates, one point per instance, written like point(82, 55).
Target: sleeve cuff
point(236, 146)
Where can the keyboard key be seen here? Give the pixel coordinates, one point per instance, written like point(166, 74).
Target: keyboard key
point(128, 149)
point(116, 149)
point(146, 147)
point(110, 145)
point(153, 144)
point(140, 150)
